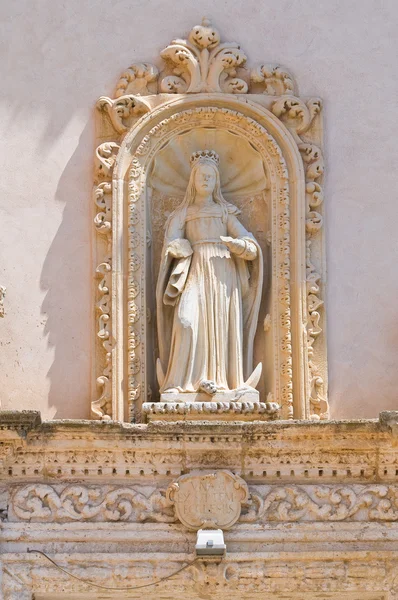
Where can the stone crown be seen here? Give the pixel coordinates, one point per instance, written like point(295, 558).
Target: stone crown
point(208, 156)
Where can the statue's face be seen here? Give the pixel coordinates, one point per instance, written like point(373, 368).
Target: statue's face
point(205, 179)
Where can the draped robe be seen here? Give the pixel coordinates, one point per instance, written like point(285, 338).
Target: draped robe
point(208, 300)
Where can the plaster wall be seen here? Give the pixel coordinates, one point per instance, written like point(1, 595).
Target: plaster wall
point(58, 58)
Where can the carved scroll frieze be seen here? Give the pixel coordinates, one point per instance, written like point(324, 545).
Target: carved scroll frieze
point(323, 503)
point(210, 410)
point(39, 502)
point(198, 500)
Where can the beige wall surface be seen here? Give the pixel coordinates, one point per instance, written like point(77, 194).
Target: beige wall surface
point(59, 57)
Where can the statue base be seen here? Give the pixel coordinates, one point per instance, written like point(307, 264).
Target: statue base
point(246, 395)
point(213, 410)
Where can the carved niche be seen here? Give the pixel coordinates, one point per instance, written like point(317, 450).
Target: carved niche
point(268, 140)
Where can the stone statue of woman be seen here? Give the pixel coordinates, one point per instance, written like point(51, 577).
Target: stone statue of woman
point(208, 294)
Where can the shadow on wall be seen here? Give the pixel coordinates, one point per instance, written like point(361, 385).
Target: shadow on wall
point(67, 269)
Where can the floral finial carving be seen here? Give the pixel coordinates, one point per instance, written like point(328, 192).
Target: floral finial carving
point(203, 64)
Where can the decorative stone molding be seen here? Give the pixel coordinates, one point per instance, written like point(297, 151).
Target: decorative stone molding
point(105, 159)
point(212, 410)
point(275, 80)
point(136, 80)
point(208, 500)
point(122, 110)
point(347, 576)
point(262, 453)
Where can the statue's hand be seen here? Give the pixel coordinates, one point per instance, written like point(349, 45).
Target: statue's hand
point(235, 245)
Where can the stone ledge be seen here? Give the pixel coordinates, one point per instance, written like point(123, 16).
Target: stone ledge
point(21, 421)
point(30, 421)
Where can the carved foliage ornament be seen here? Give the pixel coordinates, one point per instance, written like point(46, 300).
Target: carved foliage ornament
point(203, 63)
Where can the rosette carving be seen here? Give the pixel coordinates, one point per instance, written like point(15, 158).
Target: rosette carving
point(203, 64)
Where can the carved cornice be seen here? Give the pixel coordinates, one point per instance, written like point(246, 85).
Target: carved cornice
point(262, 453)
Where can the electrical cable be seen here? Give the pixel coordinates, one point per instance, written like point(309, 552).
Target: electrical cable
point(104, 587)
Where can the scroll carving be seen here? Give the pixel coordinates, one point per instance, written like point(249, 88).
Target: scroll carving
point(203, 64)
point(122, 110)
point(314, 167)
point(299, 116)
point(261, 504)
point(275, 80)
point(105, 159)
point(324, 503)
point(39, 502)
point(136, 80)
